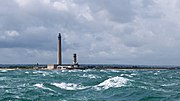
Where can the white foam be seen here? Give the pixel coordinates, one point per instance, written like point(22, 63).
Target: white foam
point(69, 86)
point(133, 74)
point(44, 73)
point(39, 85)
point(91, 76)
point(160, 90)
point(27, 72)
point(40, 72)
point(112, 83)
point(143, 87)
point(87, 70)
point(4, 71)
point(170, 84)
point(116, 71)
point(74, 71)
point(42, 86)
point(103, 70)
point(126, 75)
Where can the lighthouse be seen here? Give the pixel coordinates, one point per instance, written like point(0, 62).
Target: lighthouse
point(59, 55)
point(59, 64)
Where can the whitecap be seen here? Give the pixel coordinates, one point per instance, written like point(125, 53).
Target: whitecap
point(113, 70)
point(27, 72)
point(39, 72)
point(69, 86)
point(155, 73)
point(63, 71)
point(129, 75)
point(103, 70)
point(74, 71)
point(160, 90)
point(170, 84)
point(114, 82)
point(133, 74)
point(91, 76)
point(3, 71)
point(126, 75)
point(17, 97)
point(44, 73)
point(143, 87)
point(40, 85)
point(88, 70)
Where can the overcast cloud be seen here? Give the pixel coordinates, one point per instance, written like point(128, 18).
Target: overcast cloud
point(99, 31)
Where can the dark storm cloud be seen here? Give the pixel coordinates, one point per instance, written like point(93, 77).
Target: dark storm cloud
point(102, 31)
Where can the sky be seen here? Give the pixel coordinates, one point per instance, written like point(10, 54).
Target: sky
point(99, 31)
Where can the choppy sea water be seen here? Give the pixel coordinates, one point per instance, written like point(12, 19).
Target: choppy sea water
point(93, 85)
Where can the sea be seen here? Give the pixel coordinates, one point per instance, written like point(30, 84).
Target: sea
point(90, 85)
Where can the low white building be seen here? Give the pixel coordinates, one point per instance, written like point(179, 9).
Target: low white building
point(51, 66)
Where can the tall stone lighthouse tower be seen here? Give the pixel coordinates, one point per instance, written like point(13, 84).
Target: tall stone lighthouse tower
point(59, 55)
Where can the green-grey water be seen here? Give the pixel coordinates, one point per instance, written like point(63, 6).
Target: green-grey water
point(89, 85)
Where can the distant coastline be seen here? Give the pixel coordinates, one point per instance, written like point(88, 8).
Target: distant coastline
point(87, 66)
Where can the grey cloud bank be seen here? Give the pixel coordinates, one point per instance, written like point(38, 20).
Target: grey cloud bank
point(101, 31)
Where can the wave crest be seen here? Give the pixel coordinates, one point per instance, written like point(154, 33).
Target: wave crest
point(113, 82)
point(91, 76)
point(69, 86)
point(41, 85)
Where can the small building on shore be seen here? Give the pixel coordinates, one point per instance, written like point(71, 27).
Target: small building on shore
point(51, 66)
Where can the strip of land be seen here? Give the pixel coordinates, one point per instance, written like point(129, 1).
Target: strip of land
point(90, 68)
point(84, 67)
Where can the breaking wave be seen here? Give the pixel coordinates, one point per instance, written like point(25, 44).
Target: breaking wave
point(113, 82)
point(69, 86)
point(41, 85)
